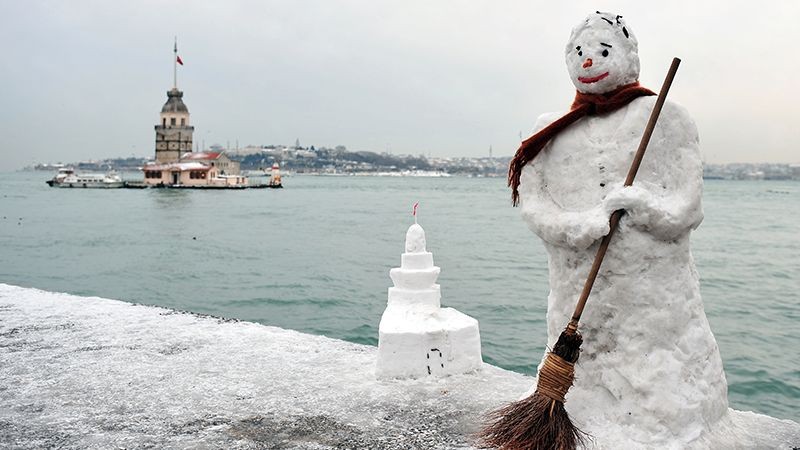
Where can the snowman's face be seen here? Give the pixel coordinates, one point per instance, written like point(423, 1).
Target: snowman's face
point(601, 57)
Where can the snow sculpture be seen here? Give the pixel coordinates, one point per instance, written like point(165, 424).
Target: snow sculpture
point(650, 368)
point(417, 337)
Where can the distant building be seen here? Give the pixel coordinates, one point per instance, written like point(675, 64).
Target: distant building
point(219, 160)
point(189, 174)
point(795, 171)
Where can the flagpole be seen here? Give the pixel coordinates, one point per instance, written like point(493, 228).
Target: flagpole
point(175, 65)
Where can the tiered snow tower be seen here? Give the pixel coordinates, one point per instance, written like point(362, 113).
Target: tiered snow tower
point(417, 337)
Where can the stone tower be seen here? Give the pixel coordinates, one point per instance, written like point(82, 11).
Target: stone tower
point(173, 134)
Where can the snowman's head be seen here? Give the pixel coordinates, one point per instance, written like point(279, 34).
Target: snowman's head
point(602, 54)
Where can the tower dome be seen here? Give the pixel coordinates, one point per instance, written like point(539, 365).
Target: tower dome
point(174, 102)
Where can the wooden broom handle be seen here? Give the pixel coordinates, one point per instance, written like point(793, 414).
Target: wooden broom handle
point(613, 222)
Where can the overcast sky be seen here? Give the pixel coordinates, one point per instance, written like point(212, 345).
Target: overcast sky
point(87, 79)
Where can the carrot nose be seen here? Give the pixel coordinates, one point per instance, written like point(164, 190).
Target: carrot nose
point(587, 63)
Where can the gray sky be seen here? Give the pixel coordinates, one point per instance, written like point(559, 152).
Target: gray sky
point(86, 79)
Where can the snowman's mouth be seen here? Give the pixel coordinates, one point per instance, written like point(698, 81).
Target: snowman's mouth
point(588, 80)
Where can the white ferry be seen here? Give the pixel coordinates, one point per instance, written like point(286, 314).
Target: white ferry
point(67, 178)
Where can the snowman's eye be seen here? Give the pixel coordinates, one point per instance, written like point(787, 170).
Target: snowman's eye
point(605, 52)
point(580, 53)
point(578, 48)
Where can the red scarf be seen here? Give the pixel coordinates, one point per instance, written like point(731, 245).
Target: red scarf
point(584, 105)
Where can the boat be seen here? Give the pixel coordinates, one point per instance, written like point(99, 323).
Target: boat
point(63, 173)
point(68, 178)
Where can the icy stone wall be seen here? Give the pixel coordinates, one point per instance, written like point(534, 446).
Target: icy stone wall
point(78, 373)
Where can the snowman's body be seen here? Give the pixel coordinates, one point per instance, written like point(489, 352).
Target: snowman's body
point(650, 368)
point(649, 360)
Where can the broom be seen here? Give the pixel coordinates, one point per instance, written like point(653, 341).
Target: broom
point(540, 421)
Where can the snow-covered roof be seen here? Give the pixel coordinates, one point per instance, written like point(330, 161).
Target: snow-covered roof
point(200, 156)
point(179, 166)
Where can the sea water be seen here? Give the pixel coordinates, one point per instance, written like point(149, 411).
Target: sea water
point(315, 257)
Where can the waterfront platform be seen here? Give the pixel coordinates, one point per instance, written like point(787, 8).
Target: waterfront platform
point(142, 185)
point(81, 372)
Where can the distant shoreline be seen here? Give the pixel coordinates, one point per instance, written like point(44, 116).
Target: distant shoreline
point(327, 162)
point(714, 175)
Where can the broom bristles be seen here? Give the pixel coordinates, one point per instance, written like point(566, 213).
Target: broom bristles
point(535, 422)
point(539, 421)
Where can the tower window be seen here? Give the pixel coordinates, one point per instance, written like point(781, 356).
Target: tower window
point(172, 121)
point(183, 122)
point(164, 121)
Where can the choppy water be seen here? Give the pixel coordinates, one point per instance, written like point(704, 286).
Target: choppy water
point(315, 257)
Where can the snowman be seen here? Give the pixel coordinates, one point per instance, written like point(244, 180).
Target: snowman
point(650, 368)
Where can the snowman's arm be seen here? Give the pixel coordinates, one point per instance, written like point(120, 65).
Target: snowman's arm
point(553, 224)
point(667, 202)
point(545, 217)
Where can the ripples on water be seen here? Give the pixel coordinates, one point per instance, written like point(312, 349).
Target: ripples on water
point(315, 257)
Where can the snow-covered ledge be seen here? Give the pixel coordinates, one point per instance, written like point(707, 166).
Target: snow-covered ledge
point(80, 372)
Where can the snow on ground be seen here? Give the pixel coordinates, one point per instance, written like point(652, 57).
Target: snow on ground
point(81, 372)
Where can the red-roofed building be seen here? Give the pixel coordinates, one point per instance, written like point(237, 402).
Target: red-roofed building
point(215, 159)
point(195, 169)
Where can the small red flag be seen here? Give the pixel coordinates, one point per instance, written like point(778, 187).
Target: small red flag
point(180, 61)
point(414, 210)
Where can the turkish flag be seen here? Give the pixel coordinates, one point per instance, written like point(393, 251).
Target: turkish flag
point(180, 61)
